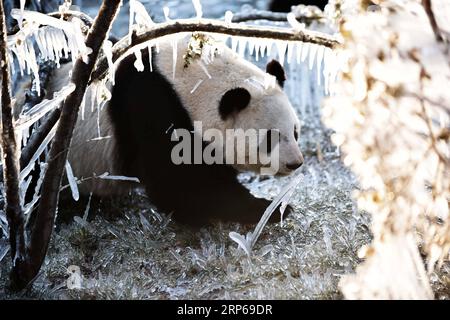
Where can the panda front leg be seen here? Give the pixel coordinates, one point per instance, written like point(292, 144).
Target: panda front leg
point(204, 193)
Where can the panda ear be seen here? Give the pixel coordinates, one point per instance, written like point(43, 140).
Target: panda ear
point(276, 69)
point(233, 101)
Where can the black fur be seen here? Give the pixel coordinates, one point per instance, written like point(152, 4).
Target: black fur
point(233, 101)
point(143, 106)
point(285, 5)
point(276, 69)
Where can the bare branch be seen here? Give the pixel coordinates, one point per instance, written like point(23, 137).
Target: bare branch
point(429, 10)
point(10, 155)
point(255, 15)
point(42, 227)
point(123, 47)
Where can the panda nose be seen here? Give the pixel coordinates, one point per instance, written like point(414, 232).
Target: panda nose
point(294, 165)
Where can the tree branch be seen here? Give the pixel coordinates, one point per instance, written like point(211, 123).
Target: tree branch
point(44, 220)
point(254, 15)
point(123, 47)
point(429, 10)
point(10, 155)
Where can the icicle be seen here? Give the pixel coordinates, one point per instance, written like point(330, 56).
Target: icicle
point(42, 43)
point(263, 48)
point(228, 17)
point(174, 55)
point(138, 63)
point(319, 59)
point(199, 82)
point(251, 46)
point(202, 65)
point(106, 176)
point(270, 44)
point(149, 48)
point(25, 135)
point(36, 155)
point(166, 13)
point(281, 46)
point(38, 111)
point(257, 49)
point(107, 50)
point(99, 135)
point(305, 50)
point(234, 44)
point(242, 46)
point(290, 51)
point(72, 182)
point(198, 8)
point(326, 68)
point(312, 55)
point(299, 51)
point(33, 65)
point(94, 89)
point(48, 39)
point(88, 207)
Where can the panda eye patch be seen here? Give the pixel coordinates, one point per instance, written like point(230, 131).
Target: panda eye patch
point(233, 101)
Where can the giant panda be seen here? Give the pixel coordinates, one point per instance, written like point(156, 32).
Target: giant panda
point(147, 106)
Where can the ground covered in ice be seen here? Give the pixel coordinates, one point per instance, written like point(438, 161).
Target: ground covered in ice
point(141, 253)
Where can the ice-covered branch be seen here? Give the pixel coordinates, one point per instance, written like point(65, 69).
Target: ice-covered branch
point(43, 221)
point(255, 15)
point(123, 47)
point(10, 155)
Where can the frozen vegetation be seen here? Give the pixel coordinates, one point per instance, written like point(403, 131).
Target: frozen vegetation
point(125, 249)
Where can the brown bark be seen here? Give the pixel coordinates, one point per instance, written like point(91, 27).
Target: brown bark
point(10, 155)
point(429, 10)
point(42, 227)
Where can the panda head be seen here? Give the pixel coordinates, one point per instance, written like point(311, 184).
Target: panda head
point(266, 109)
point(230, 93)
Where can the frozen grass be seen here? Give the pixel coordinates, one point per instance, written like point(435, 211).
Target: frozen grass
point(130, 251)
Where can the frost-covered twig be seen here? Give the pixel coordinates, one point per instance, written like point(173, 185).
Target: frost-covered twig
point(248, 242)
point(42, 227)
point(10, 155)
point(272, 16)
point(38, 136)
point(123, 47)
